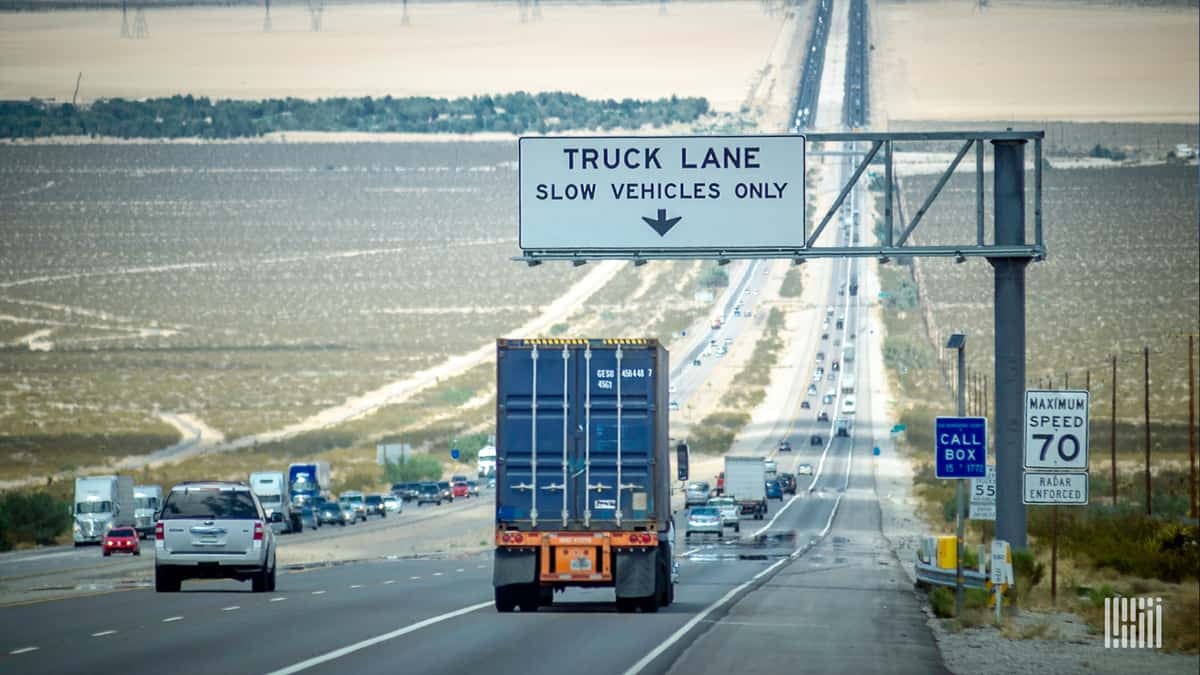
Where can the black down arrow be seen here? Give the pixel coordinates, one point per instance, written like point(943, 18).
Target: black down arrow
point(662, 225)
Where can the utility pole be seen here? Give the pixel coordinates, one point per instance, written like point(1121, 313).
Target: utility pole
point(1146, 399)
point(958, 342)
point(1192, 423)
point(1112, 438)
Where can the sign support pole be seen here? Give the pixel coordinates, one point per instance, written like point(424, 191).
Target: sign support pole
point(1054, 555)
point(958, 577)
point(1009, 310)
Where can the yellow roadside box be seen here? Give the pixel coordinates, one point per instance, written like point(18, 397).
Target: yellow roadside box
point(947, 552)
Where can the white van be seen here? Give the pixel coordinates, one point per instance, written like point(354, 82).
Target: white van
point(848, 405)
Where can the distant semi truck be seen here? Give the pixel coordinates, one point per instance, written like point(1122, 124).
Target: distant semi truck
point(271, 488)
point(746, 481)
point(308, 480)
point(582, 477)
point(101, 503)
point(147, 500)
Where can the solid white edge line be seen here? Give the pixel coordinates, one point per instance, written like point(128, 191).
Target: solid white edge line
point(677, 635)
point(350, 649)
point(778, 513)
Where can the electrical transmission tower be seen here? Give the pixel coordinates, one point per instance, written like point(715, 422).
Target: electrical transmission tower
point(315, 9)
point(140, 29)
point(124, 19)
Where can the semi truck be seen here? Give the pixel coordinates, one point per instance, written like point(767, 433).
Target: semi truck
point(582, 472)
point(746, 481)
point(101, 503)
point(272, 490)
point(147, 499)
point(307, 480)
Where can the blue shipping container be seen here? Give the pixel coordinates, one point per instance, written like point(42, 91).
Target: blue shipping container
point(582, 435)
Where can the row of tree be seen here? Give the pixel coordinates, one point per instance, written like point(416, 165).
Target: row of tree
point(192, 117)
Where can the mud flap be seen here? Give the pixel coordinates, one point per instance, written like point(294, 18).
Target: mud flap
point(514, 567)
point(635, 572)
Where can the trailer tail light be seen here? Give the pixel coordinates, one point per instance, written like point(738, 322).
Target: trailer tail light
point(258, 530)
point(512, 538)
point(158, 531)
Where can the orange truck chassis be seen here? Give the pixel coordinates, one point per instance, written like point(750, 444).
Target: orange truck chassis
point(576, 557)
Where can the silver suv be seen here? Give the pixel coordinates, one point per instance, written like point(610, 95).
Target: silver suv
point(214, 529)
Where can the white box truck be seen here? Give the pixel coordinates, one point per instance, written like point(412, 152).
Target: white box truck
point(272, 490)
point(746, 482)
point(147, 500)
point(101, 503)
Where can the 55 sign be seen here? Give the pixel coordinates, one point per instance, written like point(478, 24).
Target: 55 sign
point(1056, 429)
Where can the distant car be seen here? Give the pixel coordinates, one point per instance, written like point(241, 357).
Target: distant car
point(820, 371)
point(393, 504)
point(825, 336)
point(429, 493)
point(310, 517)
point(704, 520)
point(805, 405)
point(827, 399)
point(848, 405)
point(349, 513)
point(373, 506)
point(695, 362)
point(837, 365)
point(823, 416)
point(774, 490)
point(820, 356)
point(674, 405)
point(474, 487)
point(446, 491)
point(788, 482)
point(121, 540)
point(816, 440)
point(812, 390)
point(804, 470)
point(671, 389)
point(214, 529)
point(461, 489)
point(357, 501)
point(785, 446)
point(697, 493)
point(330, 513)
point(728, 507)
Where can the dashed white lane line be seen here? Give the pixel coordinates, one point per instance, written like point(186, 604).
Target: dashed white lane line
point(414, 578)
point(480, 567)
point(277, 599)
point(104, 632)
point(459, 570)
point(231, 608)
point(350, 649)
point(389, 581)
point(171, 619)
point(22, 650)
point(318, 592)
point(690, 551)
point(437, 574)
point(355, 585)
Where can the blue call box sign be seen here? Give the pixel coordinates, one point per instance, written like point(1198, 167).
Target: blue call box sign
point(961, 447)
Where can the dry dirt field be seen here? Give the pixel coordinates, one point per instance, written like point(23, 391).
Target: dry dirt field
point(949, 60)
point(444, 50)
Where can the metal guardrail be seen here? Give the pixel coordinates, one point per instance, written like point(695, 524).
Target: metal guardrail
point(937, 576)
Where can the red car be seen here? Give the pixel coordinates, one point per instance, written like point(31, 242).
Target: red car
point(121, 539)
point(461, 489)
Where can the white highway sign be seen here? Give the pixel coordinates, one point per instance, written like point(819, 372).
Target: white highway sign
point(983, 496)
point(1056, 429)
point(1055, 487)
point(622, 193)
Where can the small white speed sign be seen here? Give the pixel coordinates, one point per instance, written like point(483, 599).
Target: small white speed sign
point(1056, 429)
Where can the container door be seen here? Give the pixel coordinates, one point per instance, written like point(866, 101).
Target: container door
point(618, 435)
point(536, 438)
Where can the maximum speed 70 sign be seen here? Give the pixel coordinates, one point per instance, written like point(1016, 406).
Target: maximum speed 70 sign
point(1056, 429)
